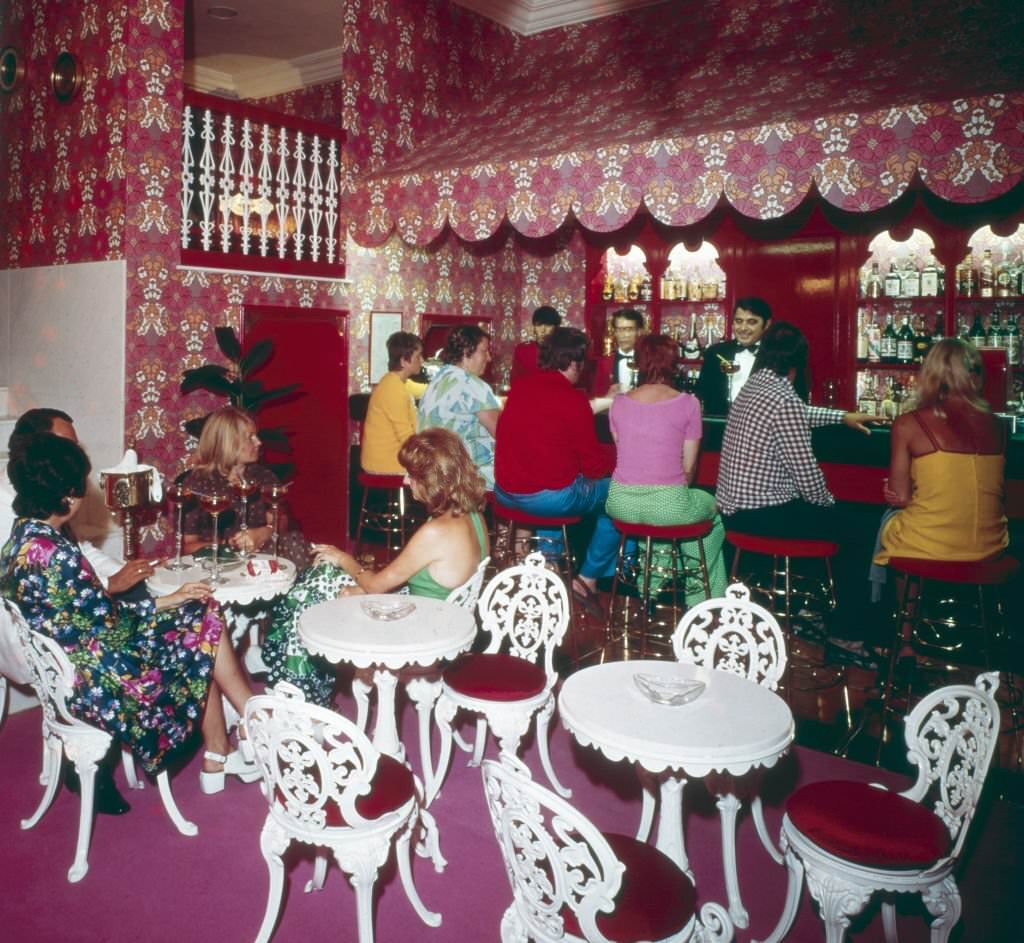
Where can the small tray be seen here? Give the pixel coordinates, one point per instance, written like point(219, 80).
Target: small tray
point(668, 691)
point(388, 610)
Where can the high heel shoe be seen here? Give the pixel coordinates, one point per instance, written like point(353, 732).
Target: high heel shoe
point(234, 763)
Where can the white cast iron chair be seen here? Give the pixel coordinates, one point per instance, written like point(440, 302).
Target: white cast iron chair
point(13, 666)
point(328, 787)
point(731, 634)
point(526, 609)
point(572, 882)
point(53, 677)
point(423, 685)
point(855, 839)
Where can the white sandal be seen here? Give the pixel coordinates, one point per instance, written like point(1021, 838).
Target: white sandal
point(234, 763)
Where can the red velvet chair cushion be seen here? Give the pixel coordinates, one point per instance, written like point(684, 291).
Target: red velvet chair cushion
point(677, 532)
point(656, 900)
point(977, 572)
point(782, 546)
point(495, 677)
point(868, 826)
point(392, 787)
point(531, 520)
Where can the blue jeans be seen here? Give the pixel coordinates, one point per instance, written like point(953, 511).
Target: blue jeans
point(585, 496)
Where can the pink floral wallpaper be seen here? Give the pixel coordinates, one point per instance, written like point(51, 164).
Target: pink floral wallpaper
point(315, 103)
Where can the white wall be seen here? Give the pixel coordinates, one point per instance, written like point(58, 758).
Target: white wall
point(66, 350)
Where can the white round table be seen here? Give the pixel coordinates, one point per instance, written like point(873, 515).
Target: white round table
point(341, 631)
point(246, 598)
point(734, 726)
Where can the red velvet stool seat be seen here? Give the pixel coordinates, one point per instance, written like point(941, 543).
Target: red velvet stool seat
point(646, 534)
point(391, 519)
point(923, 581)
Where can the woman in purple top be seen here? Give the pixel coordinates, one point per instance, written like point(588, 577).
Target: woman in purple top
point(657, 434)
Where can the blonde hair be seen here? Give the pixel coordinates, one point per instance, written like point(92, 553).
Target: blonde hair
point(445, 473)
point(223, 438)
point(951, 371)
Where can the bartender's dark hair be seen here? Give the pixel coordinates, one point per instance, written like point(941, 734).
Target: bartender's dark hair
point(630, 314)
point(783, 348)
point(462, 341)
point(656, 358)
point(545, 314)
point(402, 346)
point(561, 348)
point(46, 472)
point(757, 306)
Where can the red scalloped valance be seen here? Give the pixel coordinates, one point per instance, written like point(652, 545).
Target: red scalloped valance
point(966, 151)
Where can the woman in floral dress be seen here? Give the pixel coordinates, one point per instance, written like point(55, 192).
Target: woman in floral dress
point(150, 673)
point(227, 453)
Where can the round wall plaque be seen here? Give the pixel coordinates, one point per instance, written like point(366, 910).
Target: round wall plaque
point(12, 69)
point(66, 77)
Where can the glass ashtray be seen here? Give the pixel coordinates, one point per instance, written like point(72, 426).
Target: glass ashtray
point(388, 610)
point(661, 690)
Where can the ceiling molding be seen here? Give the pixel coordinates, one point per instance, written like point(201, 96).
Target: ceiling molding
point(527, 17)
point(269, 78)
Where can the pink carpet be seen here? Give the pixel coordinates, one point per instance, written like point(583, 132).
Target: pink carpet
point(147, 882)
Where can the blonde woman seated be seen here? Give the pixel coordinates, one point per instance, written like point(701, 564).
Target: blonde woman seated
point(227, 456)
point(946, 466)
point(150, 672)
point(438, 558)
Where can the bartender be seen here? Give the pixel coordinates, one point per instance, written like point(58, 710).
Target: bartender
point(727, 366)
point(616, 373)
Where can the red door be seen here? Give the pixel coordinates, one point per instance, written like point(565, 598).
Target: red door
point(309, 349)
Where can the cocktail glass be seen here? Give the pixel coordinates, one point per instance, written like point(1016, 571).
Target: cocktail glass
point(273, 495)
point(177, 495)
point(214, 504)
point(244, 488)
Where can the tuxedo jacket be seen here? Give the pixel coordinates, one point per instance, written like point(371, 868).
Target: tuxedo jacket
point(605, 374)
point(713, 385)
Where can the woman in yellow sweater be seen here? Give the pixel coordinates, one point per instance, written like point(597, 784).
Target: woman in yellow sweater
point(391, 412)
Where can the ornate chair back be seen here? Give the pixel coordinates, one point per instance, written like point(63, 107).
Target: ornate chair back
point(554, 856)
point(13, 665)
point(951, 736)
point(468, 593)
point(315, 763)
point(525, 608)
point(733, 634)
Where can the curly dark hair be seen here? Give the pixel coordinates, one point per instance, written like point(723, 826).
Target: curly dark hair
point(462, 341)
point(783, 348)
point(31, 423)
point(562, 347)
point(46, 472)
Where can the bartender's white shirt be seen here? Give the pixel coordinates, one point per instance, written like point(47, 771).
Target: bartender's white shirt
point(625, 377)
point(744, 359)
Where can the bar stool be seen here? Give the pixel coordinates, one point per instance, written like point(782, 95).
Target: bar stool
point(787, 549)
point(986, 578)
point(648, 533)
point(389, 520)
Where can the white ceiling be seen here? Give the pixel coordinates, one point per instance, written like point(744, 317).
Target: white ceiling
point(272, 47)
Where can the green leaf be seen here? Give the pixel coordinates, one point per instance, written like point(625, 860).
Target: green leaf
point(194, 427)
point(269, 396)
point(257, 357)
point(210, 376)
point(227, 341)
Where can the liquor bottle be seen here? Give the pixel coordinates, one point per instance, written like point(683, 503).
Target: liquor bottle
point(968, 284)
point(866, 402)
point(887, 405)
point(621, 289)
point(905, 342)
point(709, 287)
point(922, 340)
point(633, 289)
point(646, 288)
point(889, 341)
point(608, 291)
point(1013, 341)
point(862, 335)
point(976, 335)
point(668, 286)
point(937, 334)
point(898, 397)
point(930, 278)
point(693, 286)
point(893, 282)
point(874, 287)
point(874, 335)
point(994, 334)
point(1005, 277)
point(910, 278)
point(986, 276)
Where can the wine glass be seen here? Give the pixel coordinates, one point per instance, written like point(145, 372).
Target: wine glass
point(244, 488)
point(273, 493)
point(214, 504)
point(177, 494)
